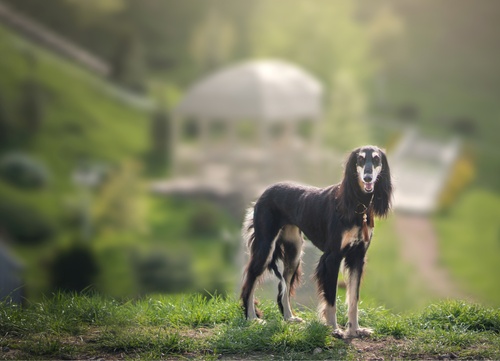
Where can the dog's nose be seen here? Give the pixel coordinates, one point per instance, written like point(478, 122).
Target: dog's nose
point(367, 178)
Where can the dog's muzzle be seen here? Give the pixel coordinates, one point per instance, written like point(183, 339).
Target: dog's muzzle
point(368, 183)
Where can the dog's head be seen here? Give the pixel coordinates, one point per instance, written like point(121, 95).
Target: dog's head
point(368, 167)
point(367, 174)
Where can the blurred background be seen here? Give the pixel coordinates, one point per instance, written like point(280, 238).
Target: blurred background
point(133, 135)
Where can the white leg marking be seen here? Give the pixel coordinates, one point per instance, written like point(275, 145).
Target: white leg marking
point(291, 235)
point(251, 314)
point(352, 302)
point(353, 329)
point(329, 313)
point(285, 301)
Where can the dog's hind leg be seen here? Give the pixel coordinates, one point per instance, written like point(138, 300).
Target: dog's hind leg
point(262, 243)
point(292, 242)
point(353, 271)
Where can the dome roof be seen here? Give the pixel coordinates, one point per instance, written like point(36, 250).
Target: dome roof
point(268, 90)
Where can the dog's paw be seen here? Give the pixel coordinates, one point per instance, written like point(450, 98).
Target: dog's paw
point(295, 319)
point(360, 332)
point(338, 333)
point(259, 321)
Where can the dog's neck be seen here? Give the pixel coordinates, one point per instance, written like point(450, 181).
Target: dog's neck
point(365, 204)
point(365, 200)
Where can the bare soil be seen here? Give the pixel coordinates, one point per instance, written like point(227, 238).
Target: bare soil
point(420, 248)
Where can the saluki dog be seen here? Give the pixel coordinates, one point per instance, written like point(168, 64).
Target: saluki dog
point(339, 220)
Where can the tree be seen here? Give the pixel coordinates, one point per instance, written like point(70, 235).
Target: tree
point(326, 39)
point(128, 63)
point(160, 137)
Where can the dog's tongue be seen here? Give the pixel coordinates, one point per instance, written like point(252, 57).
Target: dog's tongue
point(368, 187)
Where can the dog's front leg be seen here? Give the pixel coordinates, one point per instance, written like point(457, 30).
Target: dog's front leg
point(353, 279)
point(327, 274)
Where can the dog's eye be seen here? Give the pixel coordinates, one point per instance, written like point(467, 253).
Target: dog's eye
point(361, 160)
point(376, 161)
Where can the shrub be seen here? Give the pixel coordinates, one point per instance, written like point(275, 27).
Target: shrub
point(462, 174)
point(22, 171)
point(24, 224)
point(5, 123)
point(32, 105)
point(205, 221)
point(160, 137)
point(157, 272)
point(74, 269)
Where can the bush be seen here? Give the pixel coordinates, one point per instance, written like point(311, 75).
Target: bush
point(462, 174)
point(22, 171)
point(74, 269)
point(160, 137)
point(32, 112)
point(5, 123)
point(205, 221)
point(157, 273)
point(24, 224)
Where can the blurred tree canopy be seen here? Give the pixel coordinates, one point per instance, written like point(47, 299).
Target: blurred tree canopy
point(437, 58)
point(187, 38)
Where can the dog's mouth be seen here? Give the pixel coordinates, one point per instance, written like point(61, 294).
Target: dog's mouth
point(369, 187)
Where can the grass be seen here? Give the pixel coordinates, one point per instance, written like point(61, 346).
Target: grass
point(469, 232)
point(389, 280)
point(69, 326)
point(81, 119)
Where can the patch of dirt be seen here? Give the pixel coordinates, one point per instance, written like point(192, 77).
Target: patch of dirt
point(377, 349)
point(420, 248)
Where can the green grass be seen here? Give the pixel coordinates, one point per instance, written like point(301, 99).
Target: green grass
point(81, 119)
point(469, 243)
point(389, 280)
point(72, 326)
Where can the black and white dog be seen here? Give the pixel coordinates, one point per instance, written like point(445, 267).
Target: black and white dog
point(339, 220)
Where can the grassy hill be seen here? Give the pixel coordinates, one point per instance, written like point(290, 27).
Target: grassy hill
point(137, 243)
point(81, 118)
point(176, 327)
point(75, 117)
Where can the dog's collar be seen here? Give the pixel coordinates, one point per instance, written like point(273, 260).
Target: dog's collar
point(365, 209)
point(366, 237)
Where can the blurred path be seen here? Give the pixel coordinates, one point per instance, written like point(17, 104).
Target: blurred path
point(420, 247)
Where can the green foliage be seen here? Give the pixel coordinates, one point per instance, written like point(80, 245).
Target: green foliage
point(128, 64)
point(119, 205)
point(461, 175)
point(23, 223)
point(461, 316)
point(83, 121)
point(23, 171)
point(32, 107)
point(160, 139)
point(159, 272)
point(6, 126)
point(74, 269)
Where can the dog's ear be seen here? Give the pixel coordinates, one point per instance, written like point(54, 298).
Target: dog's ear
point(382, 197)
point(349, 187)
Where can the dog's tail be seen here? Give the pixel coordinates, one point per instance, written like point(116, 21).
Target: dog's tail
point(248, 237)
point(247, 230)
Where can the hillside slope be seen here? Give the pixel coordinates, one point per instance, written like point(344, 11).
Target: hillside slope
point(80, 117)
point(58, 116)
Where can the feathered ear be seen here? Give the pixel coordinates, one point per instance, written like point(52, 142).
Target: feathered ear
point(382, 197)
point(349, 188)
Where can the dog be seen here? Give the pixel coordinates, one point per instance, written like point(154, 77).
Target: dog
point(338, 219)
